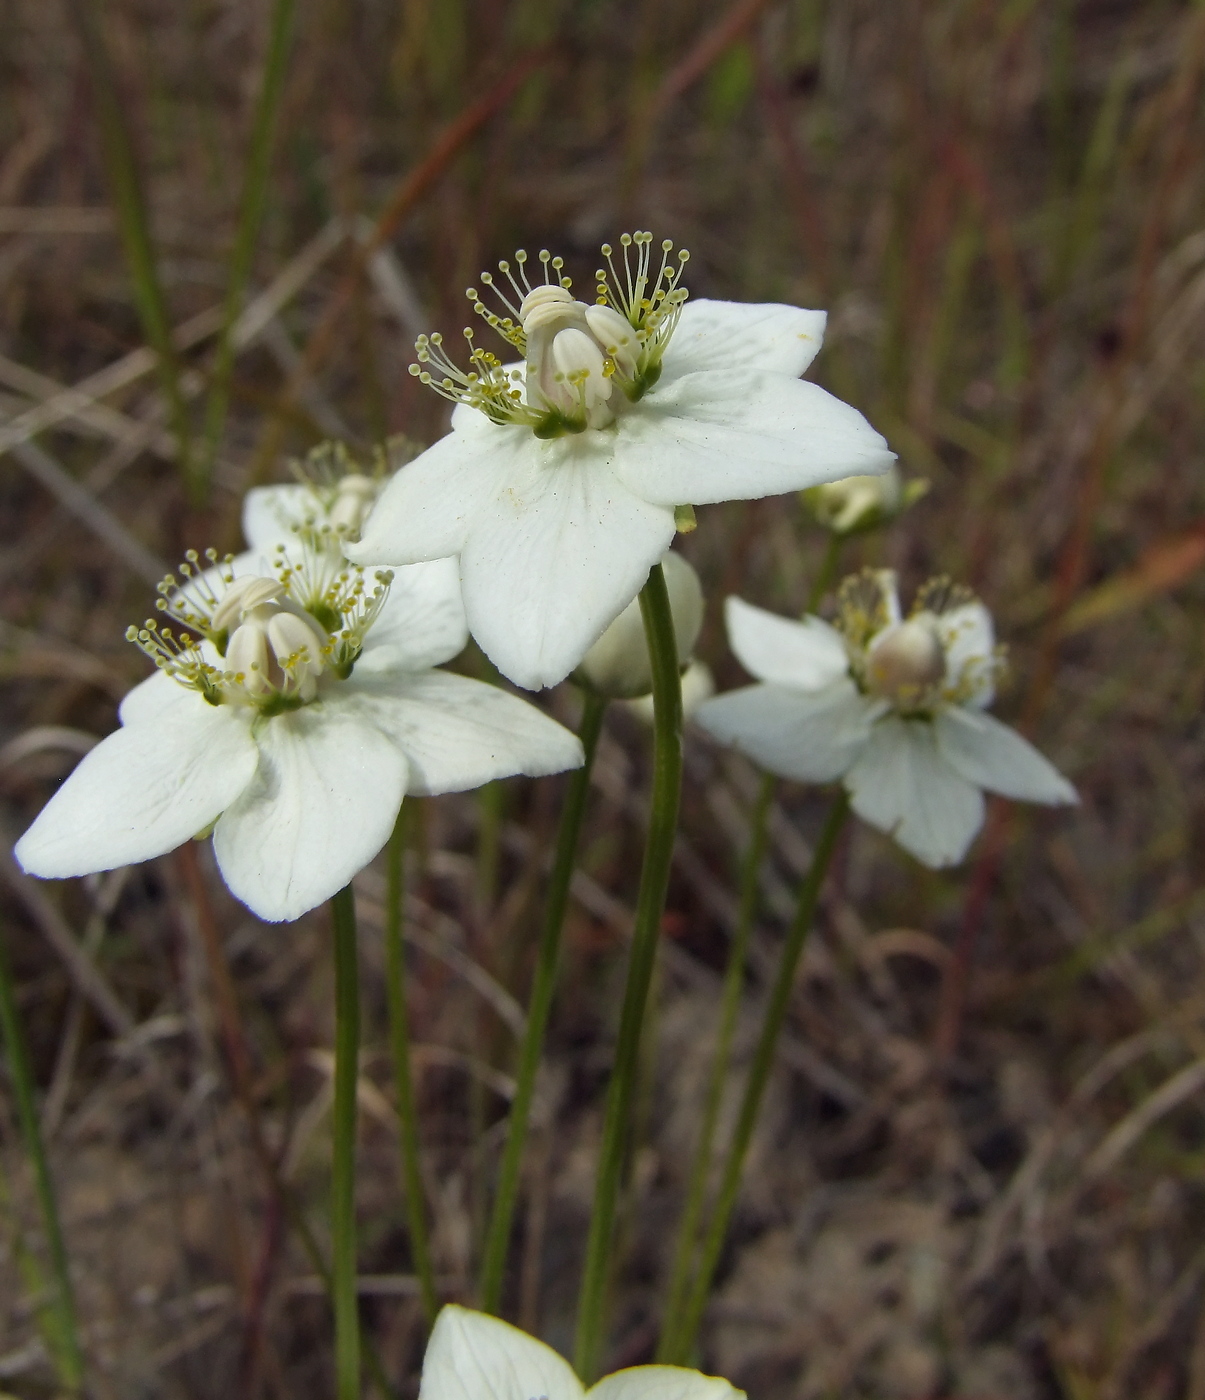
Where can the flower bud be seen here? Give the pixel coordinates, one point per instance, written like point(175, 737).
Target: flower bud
point(857, 503)
point(617, 665)
point(905, 660)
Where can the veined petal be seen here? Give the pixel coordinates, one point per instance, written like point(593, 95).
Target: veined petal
point(270, 512)
point(472, 1356)
point(146, 789)
point(902, 784)
point(993, 756)
point(969, 638)
point(431, 504)
point(561, 549)
point(458, 733)
point(808, 655)
point(422, 623)
point(662, 1383)
point(811, 736)
point(321, 804)
point(738, 335)
point(725, 436)
point(156, 696)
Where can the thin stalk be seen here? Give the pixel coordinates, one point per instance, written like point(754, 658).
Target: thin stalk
point(343, 1183)
point(730, 1000)
point(69, 1357)
point(826, 573)
point(650, 903)
point(251, 214)
point(556, 901)
point(759, 1073)
point(403, 1080)
point(134, 223)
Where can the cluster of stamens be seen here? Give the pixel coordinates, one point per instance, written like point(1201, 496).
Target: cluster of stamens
point(906, 661)
point(574, 354)
point(263, 641)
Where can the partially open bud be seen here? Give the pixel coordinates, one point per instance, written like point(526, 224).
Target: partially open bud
point(906, 660)
point(857, 503)
point(617, 665)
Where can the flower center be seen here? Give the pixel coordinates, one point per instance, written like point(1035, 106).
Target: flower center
point(263, 641)
point(575, 355)
point(905, 662)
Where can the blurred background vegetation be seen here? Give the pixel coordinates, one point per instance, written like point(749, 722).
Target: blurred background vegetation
point(980, 1171)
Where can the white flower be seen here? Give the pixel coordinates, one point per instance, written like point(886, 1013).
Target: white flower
point(290, 714)
point(472, 1356)
point(858, 503)
point(893, 707)
point(559, 481)
point(618, 664)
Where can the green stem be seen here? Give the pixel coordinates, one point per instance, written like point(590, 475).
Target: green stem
point(134, 223)
point(543, 985)
point(650, 903)
point(69, 1358)
point(399, 1038)
point(251, 213)
point(343, 1185)
point(759, 1074)
point(827, 573)
point(734, 981)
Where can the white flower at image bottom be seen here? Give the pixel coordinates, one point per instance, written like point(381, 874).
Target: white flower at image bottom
point(291, 714)
point(894, 707)
point(560, 482)
point(472, 1356)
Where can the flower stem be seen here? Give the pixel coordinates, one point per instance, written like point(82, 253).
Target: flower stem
point(650, 903)
point(399, 1039)
point(759, 1074)
point(343, 1185)
point(68, 1357)
point(734, 980)
point(543, 985)
point(826, 573)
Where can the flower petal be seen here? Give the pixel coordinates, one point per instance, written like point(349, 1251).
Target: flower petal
point(736, 335)
point(270, 512)
point(560, 551)
point(812, 737)
point(155, 696)
point(422, 623)
point(472, 1356)
point(458, 733)
point(730, 436)
point(662, 1383)
point(431, 504)
point(808, 655)
point(970, 642)
point(147, 788)
point(320, 806)
point(993, 756)
point(902, 784)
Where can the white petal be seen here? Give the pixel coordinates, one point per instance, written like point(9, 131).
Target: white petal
point(736, 335)
point(903, 785)
point(270, 512)
point(321, 804)
point(970, 642)
point(808, 655)
point(154, 696)
point(422, 623)
point(146, 789)
point(561, 551)
point(472, 1356)
point(812, 737)
point(662, 1383)
point(431, 504)
point(458, 733)
point(993, 756)
point(729, 436)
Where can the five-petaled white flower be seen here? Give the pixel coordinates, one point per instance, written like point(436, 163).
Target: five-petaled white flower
point(893, 707)
point(291, 713)
point(564, 477)
point(472, 1356)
